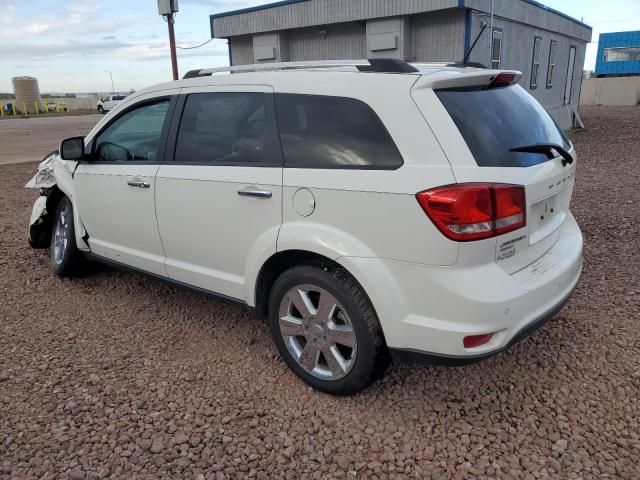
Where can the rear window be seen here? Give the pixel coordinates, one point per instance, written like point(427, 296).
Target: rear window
point(494, 121)
point(333, 132)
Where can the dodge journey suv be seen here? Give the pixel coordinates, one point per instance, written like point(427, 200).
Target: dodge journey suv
point(369, 211)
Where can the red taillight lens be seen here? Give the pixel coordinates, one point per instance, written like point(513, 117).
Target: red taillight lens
point(503, 80)
point(474, 341)
point(473, 211)
point(509, 208)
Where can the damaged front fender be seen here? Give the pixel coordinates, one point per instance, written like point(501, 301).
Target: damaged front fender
point(41, 221)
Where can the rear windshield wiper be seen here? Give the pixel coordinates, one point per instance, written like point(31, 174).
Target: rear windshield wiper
point(551, 150)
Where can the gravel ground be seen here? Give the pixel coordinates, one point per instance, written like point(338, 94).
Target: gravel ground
point(117, 375)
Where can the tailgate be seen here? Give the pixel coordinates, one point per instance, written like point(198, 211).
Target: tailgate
point(479, 128)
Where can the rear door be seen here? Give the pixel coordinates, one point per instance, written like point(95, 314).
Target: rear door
point(478, 128)
point(219, 199)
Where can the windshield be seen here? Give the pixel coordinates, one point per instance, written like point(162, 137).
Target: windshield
point(494, 121)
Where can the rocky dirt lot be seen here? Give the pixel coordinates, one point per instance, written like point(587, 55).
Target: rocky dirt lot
point(116, 375)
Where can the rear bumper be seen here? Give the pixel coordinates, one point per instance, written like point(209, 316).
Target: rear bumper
point(430, 310)
point(418, 357)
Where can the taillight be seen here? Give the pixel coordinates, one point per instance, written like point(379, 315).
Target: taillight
point(473, 211)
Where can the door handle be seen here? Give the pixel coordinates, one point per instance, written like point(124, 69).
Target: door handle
point(254, 192)
point(136, 182)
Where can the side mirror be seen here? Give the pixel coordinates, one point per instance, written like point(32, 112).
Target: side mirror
point(72, 149)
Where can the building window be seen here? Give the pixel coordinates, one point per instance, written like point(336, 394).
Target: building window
point(496, 48)
point(552, 62)
point(622, 54)
point(535, 62)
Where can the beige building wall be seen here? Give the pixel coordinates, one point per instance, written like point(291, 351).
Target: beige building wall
point(617, 91)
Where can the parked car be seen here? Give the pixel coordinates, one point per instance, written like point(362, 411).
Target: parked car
point(398, 212)
point(57, 107)
point(109, 102)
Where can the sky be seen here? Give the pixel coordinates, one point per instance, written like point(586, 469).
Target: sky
point(68, 44)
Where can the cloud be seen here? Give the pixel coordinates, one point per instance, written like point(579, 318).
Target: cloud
point(109, 37)
point(56, 49)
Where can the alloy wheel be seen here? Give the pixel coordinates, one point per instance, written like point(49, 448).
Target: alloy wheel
point(317, 332)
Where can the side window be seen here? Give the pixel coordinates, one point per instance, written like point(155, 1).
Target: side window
point(553, 46)
point(228, 129)
point(535, 62)
point(333, 132)
point(134, 136)
point(496, 48)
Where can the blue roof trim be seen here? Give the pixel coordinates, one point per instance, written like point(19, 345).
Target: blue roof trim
point(557, 12)
point(266, 6)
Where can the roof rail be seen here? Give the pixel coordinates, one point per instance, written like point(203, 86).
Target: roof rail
point(381, 65)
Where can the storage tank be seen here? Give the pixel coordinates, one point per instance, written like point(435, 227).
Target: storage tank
point(27, 94)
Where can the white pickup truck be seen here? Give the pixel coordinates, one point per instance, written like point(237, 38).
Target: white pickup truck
point(107, 103)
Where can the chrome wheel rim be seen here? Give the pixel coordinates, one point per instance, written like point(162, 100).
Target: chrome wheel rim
point(61, 235)
point(317, 332)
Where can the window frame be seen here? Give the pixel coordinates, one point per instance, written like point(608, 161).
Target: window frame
point(493, 36)
point(551, 67)
point(160, 157)
point(344, 167)
point(533, 81)
point(274, 151)
point(606, 51)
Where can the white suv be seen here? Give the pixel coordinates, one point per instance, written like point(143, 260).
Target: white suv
point(369, 212)
point(109, 102)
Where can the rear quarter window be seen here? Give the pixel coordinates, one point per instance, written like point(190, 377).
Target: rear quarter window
point(494, 121)
point(333, 132)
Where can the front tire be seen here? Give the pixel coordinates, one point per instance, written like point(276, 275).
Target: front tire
point(66, 259)
point(326, 329)
point(100, 109)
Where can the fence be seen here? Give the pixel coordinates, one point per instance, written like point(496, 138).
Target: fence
point(48, 105)
point(611, 91)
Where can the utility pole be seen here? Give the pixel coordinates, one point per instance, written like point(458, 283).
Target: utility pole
point(168, 9)
point(113, 90)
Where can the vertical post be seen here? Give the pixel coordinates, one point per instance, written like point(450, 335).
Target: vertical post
point(36, 104)
point(111, 76)
point(24, 108)
point(1, 109)
point(172, 46)
point(491, 38)
point(13, 107)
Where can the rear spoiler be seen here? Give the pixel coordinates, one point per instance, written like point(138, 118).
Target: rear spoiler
point(448, 79)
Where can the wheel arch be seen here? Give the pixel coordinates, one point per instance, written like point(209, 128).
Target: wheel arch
point(275, 265)
point(281, 261)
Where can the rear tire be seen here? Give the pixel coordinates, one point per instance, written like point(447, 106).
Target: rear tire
point(326, 329)
point(66, 259)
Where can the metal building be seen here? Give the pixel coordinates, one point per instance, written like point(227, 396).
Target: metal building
point(547, 46)
point(618, 54)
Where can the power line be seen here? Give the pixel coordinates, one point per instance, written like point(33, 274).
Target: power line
point(197, 46)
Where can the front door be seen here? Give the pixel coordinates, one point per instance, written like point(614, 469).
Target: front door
point(568, 90)
point(219, 203)
point(115, 188)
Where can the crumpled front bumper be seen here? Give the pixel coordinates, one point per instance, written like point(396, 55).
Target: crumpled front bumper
point(40, 221)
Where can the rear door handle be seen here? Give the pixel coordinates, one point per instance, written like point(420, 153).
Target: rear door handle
point(136, 182)
point(254, 192)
